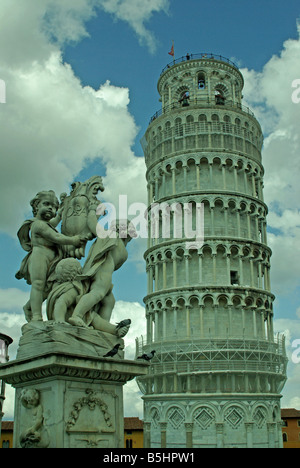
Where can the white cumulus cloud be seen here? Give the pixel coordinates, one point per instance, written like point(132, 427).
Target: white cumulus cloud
point(51, 125)
point(269, 94)
point(137, 13)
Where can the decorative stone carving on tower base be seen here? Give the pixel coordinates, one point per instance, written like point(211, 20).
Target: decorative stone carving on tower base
point(200, 421)
point(69, 396)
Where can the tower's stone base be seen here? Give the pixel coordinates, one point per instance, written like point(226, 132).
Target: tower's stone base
point(206, 421)
point(67, 394)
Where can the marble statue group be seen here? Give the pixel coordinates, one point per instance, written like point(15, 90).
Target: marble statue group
point(75, 293)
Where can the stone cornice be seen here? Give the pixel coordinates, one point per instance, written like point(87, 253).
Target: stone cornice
point(212, 195)
point(205, 153)
point(205, 290)
point(57, 365)
point(209, 240)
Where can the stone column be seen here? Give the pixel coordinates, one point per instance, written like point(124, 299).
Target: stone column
point(173, 181)
point(229, 319)
point(198, 176)
point(224, 176)
point(189, 434)
point(249, 432)
point(149, 326)
point(185, 184)
point(164, 321)
point(220, 430)
point(228, 255)
point(156, 330)
point(200, 266)
point(226, 220)
point(212, 217)
point(246, 181)
point(241, 269)
point(147, 434)
point(201, 321)
point(271, 433)
point(175, 318)
point(187, 321)
point(279, 434)
point(254, 309)
point(163, 434)
point(164, 267)
point(163, 185)
point(214, 266)
point(187, 272)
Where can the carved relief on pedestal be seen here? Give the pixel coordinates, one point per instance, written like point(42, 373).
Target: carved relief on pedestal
point(35, 435)
point(90, 421)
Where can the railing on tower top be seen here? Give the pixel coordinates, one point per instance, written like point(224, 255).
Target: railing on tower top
point(202, 56)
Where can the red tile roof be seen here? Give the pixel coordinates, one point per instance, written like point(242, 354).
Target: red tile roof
point(7, 426)
point(290, 413)
point(133, 424)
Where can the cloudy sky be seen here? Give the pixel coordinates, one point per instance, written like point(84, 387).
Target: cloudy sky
point(80, 89)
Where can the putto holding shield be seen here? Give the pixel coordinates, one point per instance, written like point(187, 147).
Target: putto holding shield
point(78, 295)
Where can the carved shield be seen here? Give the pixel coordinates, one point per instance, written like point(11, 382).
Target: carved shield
point(75, 210)
point(74, 217)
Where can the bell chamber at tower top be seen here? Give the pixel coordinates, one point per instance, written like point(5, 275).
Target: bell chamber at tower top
point(202, 110)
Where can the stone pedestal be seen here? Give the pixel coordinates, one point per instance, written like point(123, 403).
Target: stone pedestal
point(67, 394)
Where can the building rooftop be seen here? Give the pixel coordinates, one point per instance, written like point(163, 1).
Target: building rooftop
point(7, 426)
point(133, 424)
point(290, 413)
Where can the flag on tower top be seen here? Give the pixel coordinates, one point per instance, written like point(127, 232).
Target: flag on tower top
point(172, 50)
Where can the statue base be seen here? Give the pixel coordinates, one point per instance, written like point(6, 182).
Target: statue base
point(67, 394)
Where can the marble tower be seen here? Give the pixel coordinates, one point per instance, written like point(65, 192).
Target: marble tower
point(218, 371)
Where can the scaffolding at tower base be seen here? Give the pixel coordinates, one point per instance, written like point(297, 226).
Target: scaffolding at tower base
point(214, 365)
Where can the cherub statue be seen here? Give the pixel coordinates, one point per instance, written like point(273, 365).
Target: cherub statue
point(39, 237)
point(65, 294)
point(105, 256)
point(66, 290)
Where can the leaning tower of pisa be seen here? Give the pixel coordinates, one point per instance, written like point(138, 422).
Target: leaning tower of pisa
point(218, 371)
